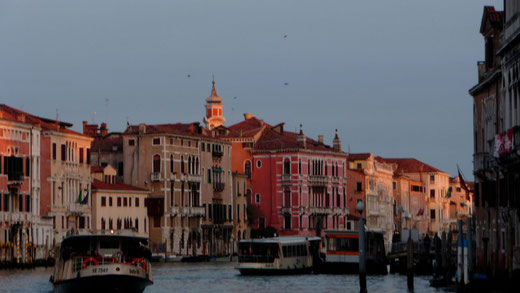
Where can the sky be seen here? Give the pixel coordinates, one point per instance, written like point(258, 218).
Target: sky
point(391, 76)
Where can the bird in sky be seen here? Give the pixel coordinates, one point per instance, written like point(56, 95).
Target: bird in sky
point(189, 75)
point(285, 36)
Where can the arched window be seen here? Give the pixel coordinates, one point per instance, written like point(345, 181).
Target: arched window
point(247, 169)
point(182, 165)
point(325, 168)
point(190, 171)
point(287, 166)
point(171, 164)
point(156, 163)
point(197, 166)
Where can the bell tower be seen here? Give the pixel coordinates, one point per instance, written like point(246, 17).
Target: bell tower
point(214, 117)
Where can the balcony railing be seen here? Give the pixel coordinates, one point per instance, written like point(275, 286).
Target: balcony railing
point(319, 210)
point(218, 186)
point(286, 210)
point(155, 176)
point(194, 178)
point(481, 161)
point(196, 211)
point(338, 211)
point(77, 208)
point(335, 179)
point(286, 177)
point(318, 179)
point(174, 211)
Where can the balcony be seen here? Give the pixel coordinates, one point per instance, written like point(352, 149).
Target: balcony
point(319, 210)
point(286, 210)
point(194, 178)
point(174, 211)
point(78, 209)
point(286, 178)
point(155, 176)
point(482, 162)
point(218, 186)
point(318, 180)
point(195, 212)
point(338, 211)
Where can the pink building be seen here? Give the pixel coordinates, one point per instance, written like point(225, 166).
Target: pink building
point(298, 184)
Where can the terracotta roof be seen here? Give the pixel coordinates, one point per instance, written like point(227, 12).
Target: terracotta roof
point(117, 186)
point(359, 156)
point(12, 114)
point(409, 165)
point(496, 18)
point(247, 128)
point(108, 143)
point(273, 140)
point(96, 169)
point(191, 129)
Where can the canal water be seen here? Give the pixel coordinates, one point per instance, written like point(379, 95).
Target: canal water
point(222, 277)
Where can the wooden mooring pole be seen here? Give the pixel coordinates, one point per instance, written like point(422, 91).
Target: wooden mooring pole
point(410, 263)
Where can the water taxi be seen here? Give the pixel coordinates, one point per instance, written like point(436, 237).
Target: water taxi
point(342, 252)
point(277, 255)
point(102, 263)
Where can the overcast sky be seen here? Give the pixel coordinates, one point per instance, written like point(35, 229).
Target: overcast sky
point(391, 76)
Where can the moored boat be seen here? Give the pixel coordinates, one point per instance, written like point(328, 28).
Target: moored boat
point(102, 263)
point(277, 255)
point(342, 252)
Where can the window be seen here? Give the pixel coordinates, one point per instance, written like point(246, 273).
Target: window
point(171, 164)
point(27, 167)
point(359, 187)
point(20, 203)
point(131, 142)
point(299, 166)
point(125, 201)
point(156, 141)
point(247, 169)
point(203, 147)
point(103, 201)
point(238, 213)
point(432, 178)
point(81, 155)
point(63, 152)
point(156, 164)
point(118, 201)
point(432, 193)
point(54, 151)
point(6, 202)
point(88, 156)
point(136, 202)
point(209, 175)
point(432, 214)
point(287, 222)
point(257, 198)
point(182, 165)
point(359, 166)
point(259, 164)
point(287, 166)
point(136, 224)
point(209, 211)
point(394, 185)
point(110, 201)
point(458, 189)
point(27, 203)
point(103, 224)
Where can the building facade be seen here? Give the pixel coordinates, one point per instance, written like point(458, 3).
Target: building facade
point(117, 206)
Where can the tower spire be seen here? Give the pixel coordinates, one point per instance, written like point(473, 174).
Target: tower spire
point(214, 108)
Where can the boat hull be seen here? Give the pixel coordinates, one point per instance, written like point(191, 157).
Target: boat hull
point(271, 272)
point(104, 283)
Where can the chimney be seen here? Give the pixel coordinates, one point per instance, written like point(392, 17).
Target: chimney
point(302, 141)
point(321, 139)
point(85, 131)
point(336, 143)
point(247, 116)
point(142, 129)
point(103, 129)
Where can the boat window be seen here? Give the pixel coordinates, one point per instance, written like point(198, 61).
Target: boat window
point(107, 244)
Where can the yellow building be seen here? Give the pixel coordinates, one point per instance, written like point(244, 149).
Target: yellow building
point(117, 206)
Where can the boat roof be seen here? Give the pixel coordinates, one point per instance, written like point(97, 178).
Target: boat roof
point(283, 239)
point(126, 236)
point(344, 232)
